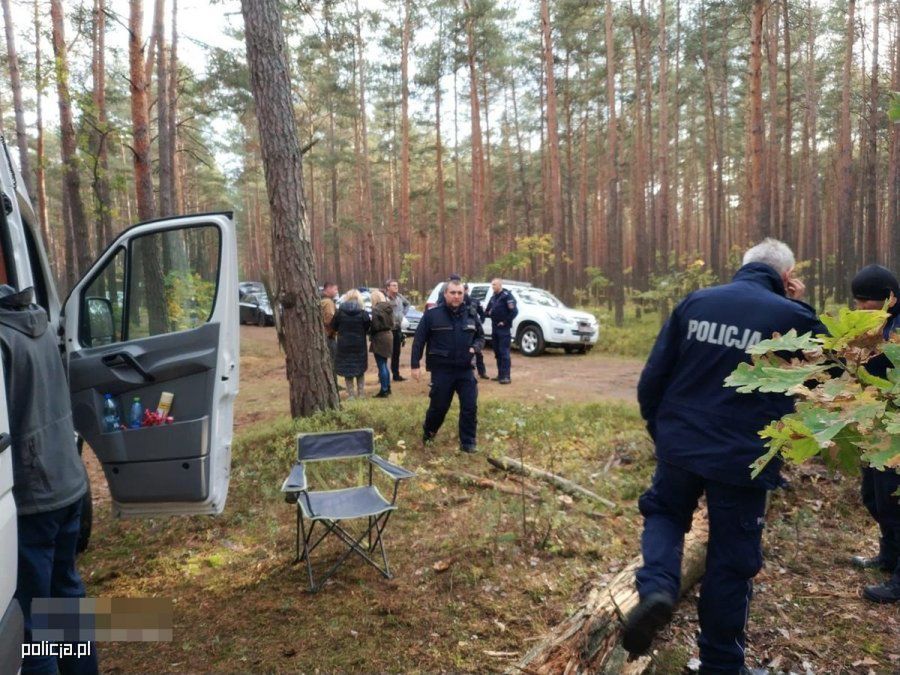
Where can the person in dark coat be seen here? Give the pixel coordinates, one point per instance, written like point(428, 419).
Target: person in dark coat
point(706, 437)
point(381, 342)
point(872, 287)
point(351, 321)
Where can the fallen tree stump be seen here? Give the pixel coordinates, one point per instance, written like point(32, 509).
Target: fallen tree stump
point(564, 484)
point(588, 640)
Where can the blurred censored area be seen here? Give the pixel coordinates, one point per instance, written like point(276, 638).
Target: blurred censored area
point(102, 619)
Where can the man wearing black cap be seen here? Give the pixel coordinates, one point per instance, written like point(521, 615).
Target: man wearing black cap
point(871, 287)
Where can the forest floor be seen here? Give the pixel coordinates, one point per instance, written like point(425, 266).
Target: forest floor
point(479, 574)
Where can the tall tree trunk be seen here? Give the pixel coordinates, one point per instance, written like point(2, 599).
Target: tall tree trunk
point(372, 269)
point(69, 143)
point(18, 106)
point(871, 252)
point(523, 182)
point(758, 226)
point(846, 249)
point(334, 233)
point(100, 132)
point(893, 221)
point(641, 271)
point(406, 37)
point(560, 267)
point(786, 217)
point(772, 187)
point(613, 217)
point(664, 238)
point(166, 187)
point(476, 257)
point(439, 153)
point(40, 159)
point(308, 365)
point(177, 204)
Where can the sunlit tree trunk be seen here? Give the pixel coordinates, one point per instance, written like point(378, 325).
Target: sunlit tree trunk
point(15, 81)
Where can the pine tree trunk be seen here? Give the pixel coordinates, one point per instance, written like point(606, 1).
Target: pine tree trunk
point(308, 364)
point(560, 268)
point(893, 221)
point(166, 205)
point(772, 187)
point(476, 233)
point(664, 227)
point(871, 250)
point(100, 131)
point(613, 217)
point(405, 225)
point(40, 159)
point(18, 106)
point(758, 225)
point(786, 217)
point(523, 182)
point(372, 269)
point(174, 167)
point(846, 248)
point(69, 144)
point(641, 272)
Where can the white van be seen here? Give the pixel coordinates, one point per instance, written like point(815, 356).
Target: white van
point(543, 320)
point(157, 312)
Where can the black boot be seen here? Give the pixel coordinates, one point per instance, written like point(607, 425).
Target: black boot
point(645, 621)
point(884, 593)
point(875, 562)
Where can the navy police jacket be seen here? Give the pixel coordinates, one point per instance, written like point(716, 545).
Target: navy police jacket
point(696, 422)
point(449, 334)
point(502, 309)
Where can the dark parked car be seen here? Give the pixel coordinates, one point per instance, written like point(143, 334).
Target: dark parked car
point(255, 308)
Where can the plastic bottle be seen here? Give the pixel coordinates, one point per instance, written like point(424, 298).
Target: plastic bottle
point(137, 413)
point(110, 414)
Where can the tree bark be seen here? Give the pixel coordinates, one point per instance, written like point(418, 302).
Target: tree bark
point(871, 251)
point(613, 219)
point(587, 640)
point(641, 273)
point(405, 39)
point(40, 158)
point(18, 106)
point(308, 364)
point(476, 233)
point(69, 144)
point(846, 249)
point(664, 238)
point(100, 131)
point(758, 225)
point(893, 228)
point(560, 267)
point(163, 130)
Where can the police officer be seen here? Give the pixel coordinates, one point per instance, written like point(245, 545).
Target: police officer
point(501, 310)
point(706, 437)
point(476, 309)
point(453, 336)
point(49, 479)
point(872, 287)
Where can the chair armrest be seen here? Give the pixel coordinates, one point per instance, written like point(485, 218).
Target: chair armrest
point(392, 470)
point(296, 482)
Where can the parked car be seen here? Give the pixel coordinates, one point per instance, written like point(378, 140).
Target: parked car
point(245, 287)
point(366, 297)
point(133, 331)
point(255, 308)
point(411, 321)
point(543, 320)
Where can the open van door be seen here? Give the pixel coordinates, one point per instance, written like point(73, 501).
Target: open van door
point(12, 627)
point(158, 312)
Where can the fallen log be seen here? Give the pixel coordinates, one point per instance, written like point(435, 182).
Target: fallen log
point(464, 478)
point(564, 484)
point(588, 640)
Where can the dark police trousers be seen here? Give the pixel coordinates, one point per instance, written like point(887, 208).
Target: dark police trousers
point(501, 339)
point(878, 488)
point(734, 555)
point(47, 570)
point(444, 382)
point(395, 352)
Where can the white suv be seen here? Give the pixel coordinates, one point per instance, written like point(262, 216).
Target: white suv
point(543, 320)
point(157, 312)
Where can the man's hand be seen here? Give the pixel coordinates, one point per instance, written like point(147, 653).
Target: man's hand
point(416, 372)
point(795, 289)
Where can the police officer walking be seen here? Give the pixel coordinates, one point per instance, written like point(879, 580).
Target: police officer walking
point(706, 437)
point(501, 310)
point(453, 336)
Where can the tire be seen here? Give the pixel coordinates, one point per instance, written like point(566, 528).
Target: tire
point(531, 340)
point(575, 349)
point(87, 513)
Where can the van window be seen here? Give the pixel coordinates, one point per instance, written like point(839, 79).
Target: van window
point(162, 283)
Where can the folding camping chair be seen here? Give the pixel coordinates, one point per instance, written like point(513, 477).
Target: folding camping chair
point(331, 507)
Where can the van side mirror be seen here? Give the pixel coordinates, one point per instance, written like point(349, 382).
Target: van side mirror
point(100, 328)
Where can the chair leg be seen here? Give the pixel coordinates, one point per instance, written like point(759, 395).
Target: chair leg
point(312, 585)
point(297, 556)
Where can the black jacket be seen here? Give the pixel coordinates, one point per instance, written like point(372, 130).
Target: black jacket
point(352, 324)
point(449, 334)
point(502, 309)
point(698, 423)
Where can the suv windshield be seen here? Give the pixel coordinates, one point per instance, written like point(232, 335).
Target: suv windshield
point(535, 296)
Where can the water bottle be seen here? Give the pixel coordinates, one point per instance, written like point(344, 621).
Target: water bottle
point(137, 413)
point(110, 414)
